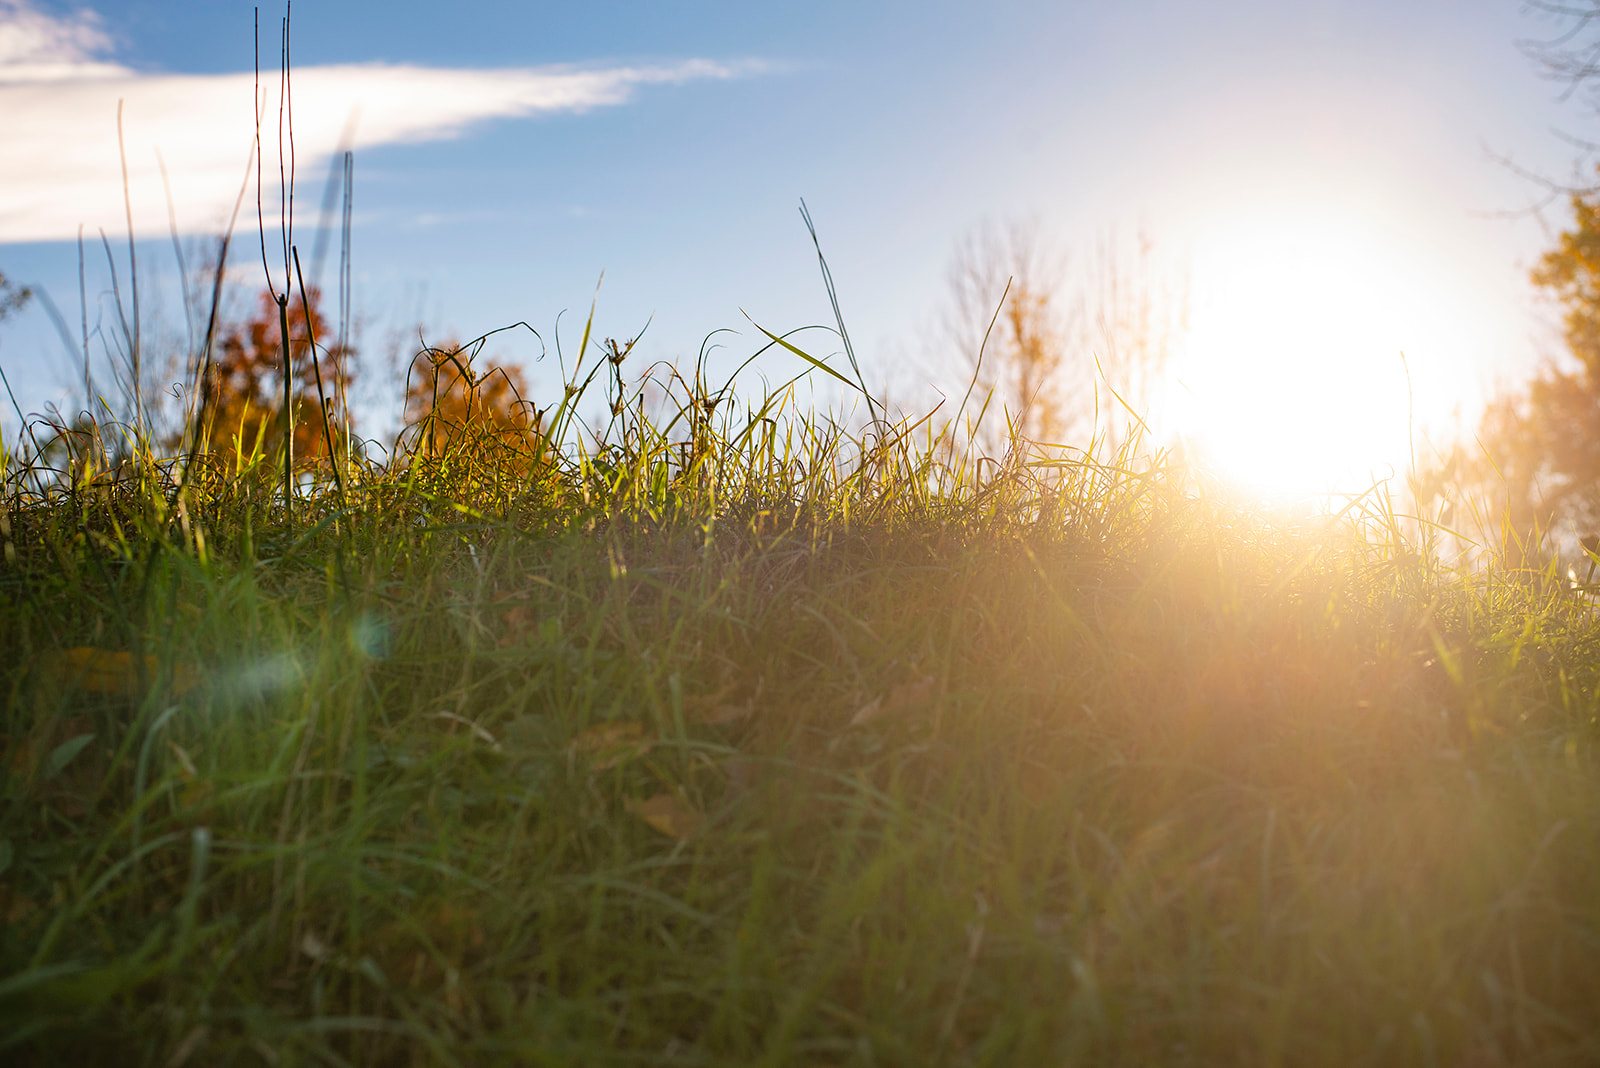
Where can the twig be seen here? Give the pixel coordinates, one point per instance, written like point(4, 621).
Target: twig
point(133, 283)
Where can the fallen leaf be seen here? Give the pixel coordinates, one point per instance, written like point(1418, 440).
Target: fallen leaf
point(1049, 924)
point(115, 672)
point(722, 715)
point(101, 670)
point(905, 696)
point(868, 712)
point(669, 814)
point(742, 773)
point(517, 620)
point(609, 744)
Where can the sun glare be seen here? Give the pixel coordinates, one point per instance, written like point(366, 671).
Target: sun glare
point(1293, 381)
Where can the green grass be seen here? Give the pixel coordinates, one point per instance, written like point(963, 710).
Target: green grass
point(1150, 778)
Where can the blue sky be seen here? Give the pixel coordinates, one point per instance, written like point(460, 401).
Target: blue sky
point(1277, 129)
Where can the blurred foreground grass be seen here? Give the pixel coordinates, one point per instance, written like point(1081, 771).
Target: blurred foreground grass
point(734, 737)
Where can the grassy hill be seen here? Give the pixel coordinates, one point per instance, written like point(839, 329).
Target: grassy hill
point(735, 736)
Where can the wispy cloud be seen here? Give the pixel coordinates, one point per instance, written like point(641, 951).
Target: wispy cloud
point(59, 95)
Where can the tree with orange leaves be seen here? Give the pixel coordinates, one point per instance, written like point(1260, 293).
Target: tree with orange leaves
point(1542, 444)
point(1539, 448)
point(449, 400)
point(241, 411)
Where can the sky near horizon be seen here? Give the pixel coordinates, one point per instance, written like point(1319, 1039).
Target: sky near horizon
point(1324, 171)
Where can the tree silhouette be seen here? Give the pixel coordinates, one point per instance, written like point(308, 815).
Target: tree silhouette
point(12, 297)
point(1021, 370)
point(1069, 332)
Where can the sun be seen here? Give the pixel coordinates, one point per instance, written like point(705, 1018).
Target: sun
point(1304, 330)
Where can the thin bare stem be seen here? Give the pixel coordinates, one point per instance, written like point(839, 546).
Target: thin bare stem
point(133, 283)
point(316, 369)
point(83, 310)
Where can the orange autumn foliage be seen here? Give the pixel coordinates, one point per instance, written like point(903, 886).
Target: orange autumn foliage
point(242, 400)
point(448, 401)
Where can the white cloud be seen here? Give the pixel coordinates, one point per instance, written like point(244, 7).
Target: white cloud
point(58, 122)
point(36, 47)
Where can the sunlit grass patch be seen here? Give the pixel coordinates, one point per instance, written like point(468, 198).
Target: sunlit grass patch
point(730, 732)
